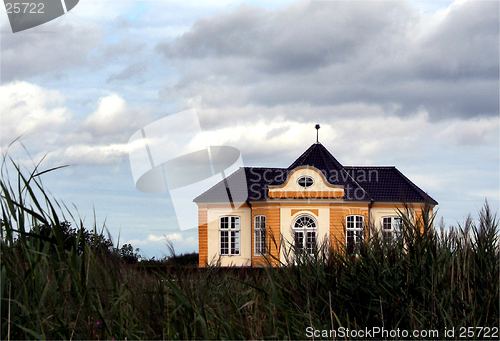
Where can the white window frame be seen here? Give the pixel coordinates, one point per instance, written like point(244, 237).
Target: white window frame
point(355, 224)
point(391, 226)
point(260, 235)
point(229, 235)
point(308, 177)
point(307, 233)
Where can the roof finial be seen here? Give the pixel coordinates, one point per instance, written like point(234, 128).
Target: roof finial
point(317, 132)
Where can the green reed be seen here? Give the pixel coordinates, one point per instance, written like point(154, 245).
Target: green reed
point(430, 277)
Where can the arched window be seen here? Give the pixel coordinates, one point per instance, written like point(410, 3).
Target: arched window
point(304, 229)
point(229, 227)
point(260, 234)
point(354, 229)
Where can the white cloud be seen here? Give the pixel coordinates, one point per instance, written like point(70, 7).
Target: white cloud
point(153, 238)
point(30, 110)
point(176, 238)
point(46, 126)
point(114, 121)
point(149, 240)
point(109, 118)
point(479, 131)
point(88, 154)
point(356, 139)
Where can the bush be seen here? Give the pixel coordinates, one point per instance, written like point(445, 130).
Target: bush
point(182, 260)
point(128, 255)
point(71, 238)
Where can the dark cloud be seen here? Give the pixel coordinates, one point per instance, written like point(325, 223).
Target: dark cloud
point(276, 132)
point(463, 45)
point(51, 48)
point(337, 52)
point(302, 36)
point(130, 71)
point(218, 36)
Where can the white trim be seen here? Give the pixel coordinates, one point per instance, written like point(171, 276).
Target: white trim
point(232, 233)
point(392, 230)
point(255, 229)
point(305, 176)
point(355, 228)
point(305, 230)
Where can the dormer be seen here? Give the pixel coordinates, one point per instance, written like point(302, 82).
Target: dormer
point(305, 183)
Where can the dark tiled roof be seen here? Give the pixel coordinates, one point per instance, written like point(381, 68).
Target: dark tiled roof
point(257, 180)
point(319, 157)
point(360, 183)
point(388, 184)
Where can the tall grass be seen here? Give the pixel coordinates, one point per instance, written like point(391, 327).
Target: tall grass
point(430, 278)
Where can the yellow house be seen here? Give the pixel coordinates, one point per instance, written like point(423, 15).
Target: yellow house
point(315, 199)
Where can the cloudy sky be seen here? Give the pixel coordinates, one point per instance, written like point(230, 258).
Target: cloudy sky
point(413, 84)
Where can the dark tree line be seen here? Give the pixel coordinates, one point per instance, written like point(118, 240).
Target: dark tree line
point(46, 236)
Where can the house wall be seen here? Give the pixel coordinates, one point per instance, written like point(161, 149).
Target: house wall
point(280, 215)
point(389, 211)
point(288, 215)
point(213, 241)
point(419, 218)
point(338, 215)
point(273, 234)
point(338, 220)
point(382, 210)
point(202, 236)
point(322, 201)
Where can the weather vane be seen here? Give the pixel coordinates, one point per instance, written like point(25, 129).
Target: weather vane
point(317, 132)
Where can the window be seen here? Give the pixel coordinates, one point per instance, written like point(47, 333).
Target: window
point(304, 230)
point(305, 181)
point(260, 235)
point(354, 230)
point(391, 227)
point(229, 235)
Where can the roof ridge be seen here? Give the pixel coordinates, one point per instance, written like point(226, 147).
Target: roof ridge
point(342, 168)
point(370, 166)
point(334, 159)
point(302, 156)
point(264, 167)
point(424, 195)
point(319, 151)
point(218, 183)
